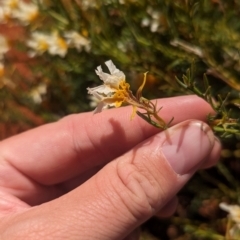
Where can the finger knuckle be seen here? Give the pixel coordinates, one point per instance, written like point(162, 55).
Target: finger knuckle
point(143, 188)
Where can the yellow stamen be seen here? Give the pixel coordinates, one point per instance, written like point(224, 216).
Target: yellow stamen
point(124, 86)
point(32, 16)
point(85, 32)
point(62, 43)
point(13, 4)
point(43, 45)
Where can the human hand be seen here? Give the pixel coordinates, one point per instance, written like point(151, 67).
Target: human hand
point(100, 176)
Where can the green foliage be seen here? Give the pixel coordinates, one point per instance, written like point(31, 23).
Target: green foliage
point(221, 121)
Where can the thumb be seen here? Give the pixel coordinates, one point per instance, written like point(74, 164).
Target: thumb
point(127, 191)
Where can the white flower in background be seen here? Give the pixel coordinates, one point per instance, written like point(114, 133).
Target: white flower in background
point(233, 210)
point(234, 215)
point(76, 40)
point(145, 22)
point(121, 46)
point(19, 10)
point(153, 21)
point(4, 47)
point(25, 12)
point(41, 42)
point(11, 4)
point(86, 4)
point(38, 92)
point(57, 45)
point(38, 43)
point(5, 14)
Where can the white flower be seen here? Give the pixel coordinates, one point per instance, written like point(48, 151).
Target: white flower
point(11, 4)
point(154, 22)
point(233, 210)
point(25, 12)
point(17, 9)
point(234, 215)
point(39, 43)
point(57, 45)
point(37, 93)
point(5, 14)
point(121, 46)
point(114, 90)
point(86, 4)
point(76, 40)
point(145, 22)
point(6, 9)
point(4, 47)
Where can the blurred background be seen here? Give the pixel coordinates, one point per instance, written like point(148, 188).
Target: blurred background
point(49, 50)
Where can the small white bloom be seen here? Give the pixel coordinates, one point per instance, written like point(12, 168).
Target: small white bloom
point(154, 26)
point(25, 12)
point(4, 47)
point(234, 215)
point(86, 4)
point(5, 14)
point(57, 45)
point(76, 40)
point(145, 22)
point(37, 93)
point(121, 46)
point(6, 9)
point(11, 4)
point(39, 43)
point(233, 210)
point(153, 21)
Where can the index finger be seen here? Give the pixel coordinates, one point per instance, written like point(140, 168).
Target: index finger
point(56, 152)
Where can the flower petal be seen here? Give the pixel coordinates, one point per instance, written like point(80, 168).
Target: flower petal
point(112, 79)
point(111, 67)
point(102, 90)
point(99, 107)
point(103, 76)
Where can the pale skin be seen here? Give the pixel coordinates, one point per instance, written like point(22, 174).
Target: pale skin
point(98, 176)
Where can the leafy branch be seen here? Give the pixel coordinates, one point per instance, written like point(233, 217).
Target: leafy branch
point(222, 123)
point(151, 115)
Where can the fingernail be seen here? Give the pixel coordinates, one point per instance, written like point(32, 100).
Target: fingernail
point(187, 145)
